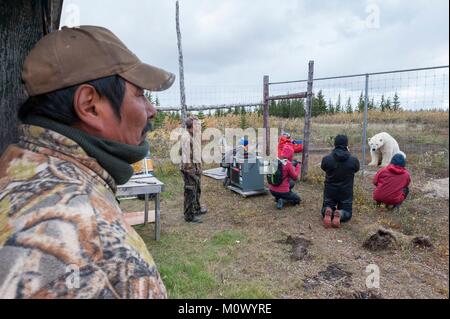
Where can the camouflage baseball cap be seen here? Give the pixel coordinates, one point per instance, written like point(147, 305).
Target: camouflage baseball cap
point(73, 56)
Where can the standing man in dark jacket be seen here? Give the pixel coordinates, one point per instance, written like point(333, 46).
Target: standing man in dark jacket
point(340, 167)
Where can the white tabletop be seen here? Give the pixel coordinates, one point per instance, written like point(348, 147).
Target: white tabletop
point(139, 185)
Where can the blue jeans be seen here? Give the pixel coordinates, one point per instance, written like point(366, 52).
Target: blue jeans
point(345, 206)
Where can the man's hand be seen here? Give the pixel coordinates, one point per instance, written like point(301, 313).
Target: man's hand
point(295, 163)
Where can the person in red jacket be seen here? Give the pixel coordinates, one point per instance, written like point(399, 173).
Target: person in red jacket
point(392, 182)
point(291, 171)
point(285, 139)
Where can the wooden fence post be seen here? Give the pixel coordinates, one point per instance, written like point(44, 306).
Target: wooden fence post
point(266, 114)
point(307, 128)
point(180, 62)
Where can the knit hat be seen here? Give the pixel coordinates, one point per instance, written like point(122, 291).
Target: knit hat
point(341, 140)
point(398, 160)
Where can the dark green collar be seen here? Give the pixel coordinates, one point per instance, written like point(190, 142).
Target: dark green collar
point(113, 156)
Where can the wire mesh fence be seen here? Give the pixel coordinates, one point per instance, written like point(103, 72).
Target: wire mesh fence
point(339, 104)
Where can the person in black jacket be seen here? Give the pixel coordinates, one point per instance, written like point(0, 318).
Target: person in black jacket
point(340, 168)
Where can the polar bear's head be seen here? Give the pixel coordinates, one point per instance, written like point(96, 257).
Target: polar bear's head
point(376, 142)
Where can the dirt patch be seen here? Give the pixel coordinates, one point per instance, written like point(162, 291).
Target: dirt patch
point(422, 242)
point(299, 247)
point(334, 275)
point(408, 273)
point(361, 295)
point(381, 240)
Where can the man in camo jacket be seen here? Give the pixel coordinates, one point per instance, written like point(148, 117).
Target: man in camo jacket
point(62, 233)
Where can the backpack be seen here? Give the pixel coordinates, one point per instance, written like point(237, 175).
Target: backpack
point(276, 178)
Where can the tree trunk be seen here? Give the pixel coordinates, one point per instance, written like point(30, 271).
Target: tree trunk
point(22, 24)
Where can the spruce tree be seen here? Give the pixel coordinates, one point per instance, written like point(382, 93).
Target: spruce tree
point(259, 111)
point(348, 106)
point(383, 104)
point(388, 105)
point(338, 107)
point(319, 104)
point(302, 110)
point(331, 109)
point(396, 104)
point(243, 121)
point(372, 105)
point(361, 103)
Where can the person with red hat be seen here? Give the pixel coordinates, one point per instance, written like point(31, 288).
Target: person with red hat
point(285, 139)
point(290, 171)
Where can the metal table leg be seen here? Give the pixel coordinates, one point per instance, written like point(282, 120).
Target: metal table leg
point(146, 210)
point(157, 215)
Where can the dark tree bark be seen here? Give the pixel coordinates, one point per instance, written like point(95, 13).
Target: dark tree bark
point(22, 24)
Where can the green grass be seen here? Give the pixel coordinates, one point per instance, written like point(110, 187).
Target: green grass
point(226, 238)
point(252, 290)
point(187, 263)
point(170, 175)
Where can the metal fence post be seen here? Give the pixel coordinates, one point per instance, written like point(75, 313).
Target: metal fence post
point(364, 133)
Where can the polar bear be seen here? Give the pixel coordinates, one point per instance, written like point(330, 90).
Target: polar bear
point(382, 148)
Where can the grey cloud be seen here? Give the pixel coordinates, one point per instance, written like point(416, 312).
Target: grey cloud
point(238, 41)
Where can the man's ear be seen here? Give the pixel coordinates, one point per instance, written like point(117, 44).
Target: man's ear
point(86, 102)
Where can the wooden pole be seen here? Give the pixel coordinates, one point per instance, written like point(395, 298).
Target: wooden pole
point(288, 96)
point(266, 114)
point(307, 128)
point(364, 134)
point(181, 67)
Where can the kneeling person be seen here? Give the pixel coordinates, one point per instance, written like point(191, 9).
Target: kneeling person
point(340, 167)
point(392, 182)
point(290, 171)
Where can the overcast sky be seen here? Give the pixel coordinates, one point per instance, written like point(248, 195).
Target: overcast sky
point(238, 41)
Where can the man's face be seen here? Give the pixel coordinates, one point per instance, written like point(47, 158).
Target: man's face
point(136, 112)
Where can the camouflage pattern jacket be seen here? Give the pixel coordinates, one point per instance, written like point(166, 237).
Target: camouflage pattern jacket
point(62, 233)
point(191, 159)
